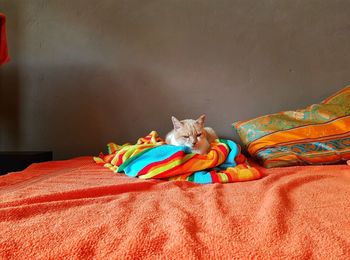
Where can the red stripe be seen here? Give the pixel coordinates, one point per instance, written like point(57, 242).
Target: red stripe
point(120, 159)
point(224, 150)
point(229, 176)
point(221, 149)
point(172, 170)
point(150, 166)
point(214, 177)
point(240, 158)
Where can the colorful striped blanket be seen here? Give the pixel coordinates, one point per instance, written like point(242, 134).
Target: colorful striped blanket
point(151, 158)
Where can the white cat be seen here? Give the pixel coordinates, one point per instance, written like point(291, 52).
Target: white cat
point(192, 134)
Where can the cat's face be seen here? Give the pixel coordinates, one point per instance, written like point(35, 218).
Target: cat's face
point(189, 132)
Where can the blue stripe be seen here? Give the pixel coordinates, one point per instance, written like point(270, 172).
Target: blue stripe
point(159, 153)
point(234, 150)
point(202, 177)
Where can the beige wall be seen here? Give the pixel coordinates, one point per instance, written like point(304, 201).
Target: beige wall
point(86, 72)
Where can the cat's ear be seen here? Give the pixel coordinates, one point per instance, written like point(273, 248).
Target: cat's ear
point(201, 119)
point(177, 124)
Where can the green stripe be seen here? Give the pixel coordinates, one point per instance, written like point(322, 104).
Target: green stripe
point(190, 178)
point(223, 141)
point(134, 157)
point(167, 166)
point(223, 177)
point(161, 169)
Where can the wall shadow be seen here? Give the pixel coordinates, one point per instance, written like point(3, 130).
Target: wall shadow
point(77, 110)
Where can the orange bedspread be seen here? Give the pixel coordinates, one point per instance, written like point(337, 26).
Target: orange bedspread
point(77, 209)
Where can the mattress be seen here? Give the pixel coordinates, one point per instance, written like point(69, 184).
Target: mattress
point(76, 209)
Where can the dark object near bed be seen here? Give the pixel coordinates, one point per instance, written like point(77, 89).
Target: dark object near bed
point(17, 161)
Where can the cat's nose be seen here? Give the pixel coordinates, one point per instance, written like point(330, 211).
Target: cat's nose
point(194, 142)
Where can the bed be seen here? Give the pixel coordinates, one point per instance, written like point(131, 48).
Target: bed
point(76, 209)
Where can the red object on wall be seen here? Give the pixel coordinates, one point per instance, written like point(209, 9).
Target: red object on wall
point(4, 56)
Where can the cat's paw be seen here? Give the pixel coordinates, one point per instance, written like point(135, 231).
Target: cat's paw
point(198, 151)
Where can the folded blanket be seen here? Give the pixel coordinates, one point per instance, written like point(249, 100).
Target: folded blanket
point(151, 158)
point(4, 57)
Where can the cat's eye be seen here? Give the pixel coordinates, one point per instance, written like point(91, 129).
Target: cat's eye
point(186, 136)
point(198, 135)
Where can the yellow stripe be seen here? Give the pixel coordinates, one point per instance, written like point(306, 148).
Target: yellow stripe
point(223, 177)
point(162, 168)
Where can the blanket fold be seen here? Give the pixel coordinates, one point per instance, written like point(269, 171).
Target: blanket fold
point(151, 158)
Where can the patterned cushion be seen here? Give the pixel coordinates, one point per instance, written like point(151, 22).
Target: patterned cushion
point(319, 134)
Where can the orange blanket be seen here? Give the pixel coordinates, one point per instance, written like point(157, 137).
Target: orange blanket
point(77, 209)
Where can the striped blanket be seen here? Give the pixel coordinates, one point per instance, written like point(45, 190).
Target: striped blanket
point(151, 158)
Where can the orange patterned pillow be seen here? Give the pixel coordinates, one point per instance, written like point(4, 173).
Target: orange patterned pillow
point(319, 134)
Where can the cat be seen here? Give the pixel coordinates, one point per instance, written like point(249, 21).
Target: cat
point(191, 133)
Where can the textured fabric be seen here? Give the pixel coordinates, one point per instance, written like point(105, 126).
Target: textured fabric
point(4, 57)
point(318, 134)
point(76, 209)
point(151, 158)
